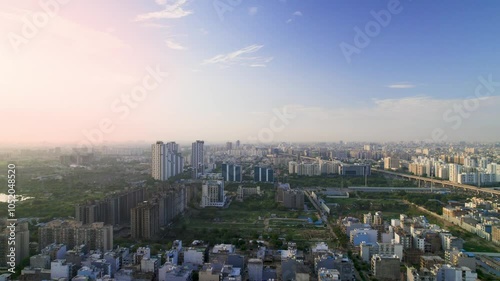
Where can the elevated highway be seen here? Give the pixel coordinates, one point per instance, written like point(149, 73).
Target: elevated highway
point(444, 183)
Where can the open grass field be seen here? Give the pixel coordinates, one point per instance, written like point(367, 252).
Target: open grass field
point(257, 217)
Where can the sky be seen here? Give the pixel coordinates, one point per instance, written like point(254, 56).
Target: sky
point(96, 72)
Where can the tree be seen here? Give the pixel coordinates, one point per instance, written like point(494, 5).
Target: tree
point(196, 276)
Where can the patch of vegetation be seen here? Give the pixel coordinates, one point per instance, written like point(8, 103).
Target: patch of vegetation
point(485, 276)
point(57, 198)
point(257, 217)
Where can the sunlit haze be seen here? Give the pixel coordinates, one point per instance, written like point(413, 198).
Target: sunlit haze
point(247, 69)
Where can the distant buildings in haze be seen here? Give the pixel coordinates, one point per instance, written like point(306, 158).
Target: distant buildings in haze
point(231, 172)
point(263, 174)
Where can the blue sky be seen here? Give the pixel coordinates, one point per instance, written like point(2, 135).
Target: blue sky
point(232, 69)
point(440, 48)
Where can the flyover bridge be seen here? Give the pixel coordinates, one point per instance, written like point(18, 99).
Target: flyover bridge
point(444, 183)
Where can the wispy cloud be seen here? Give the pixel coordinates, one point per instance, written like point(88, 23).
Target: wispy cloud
point(294, 15)
point(85, 39)
point(423, 113)
point(240, 57)
point(154, 25)
point(407, 102)
point(174, 45)
point(401, 85)
point(172, 10)
point(252, 11)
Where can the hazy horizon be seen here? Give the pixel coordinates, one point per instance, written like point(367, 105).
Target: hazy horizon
point(88, 72)
point(187, 144)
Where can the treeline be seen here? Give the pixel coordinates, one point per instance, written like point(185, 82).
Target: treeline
point(431, 201)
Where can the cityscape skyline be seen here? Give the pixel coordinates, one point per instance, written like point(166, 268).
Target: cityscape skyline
point(406, 81)
point(262, 140)
point(188, 143)
point(125, 211)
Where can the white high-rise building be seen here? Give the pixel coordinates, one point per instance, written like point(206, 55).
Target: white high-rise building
point(442, 172)
point(492, 168)
point(329, 167)
point(454, 172)
point(166, 161)
point(470, 162)
point(157, 156)
point(483, 162)
point(197, 158)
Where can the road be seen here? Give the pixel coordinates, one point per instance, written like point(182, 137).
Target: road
point(329, 226)
point(323, 216)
